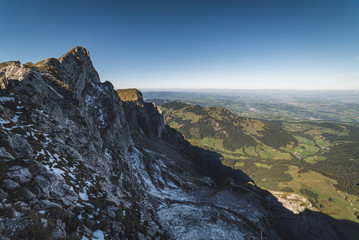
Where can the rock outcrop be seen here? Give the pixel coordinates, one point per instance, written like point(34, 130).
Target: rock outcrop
point(130, 95)
point(76, 162)
point(144, 118)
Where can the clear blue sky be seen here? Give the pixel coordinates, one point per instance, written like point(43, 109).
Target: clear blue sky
point(243, 44)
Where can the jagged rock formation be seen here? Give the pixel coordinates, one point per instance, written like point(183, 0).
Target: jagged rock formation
point(143, 117)
point(76, 162)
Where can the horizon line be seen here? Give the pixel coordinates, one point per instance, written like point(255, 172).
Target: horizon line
point(242, 89)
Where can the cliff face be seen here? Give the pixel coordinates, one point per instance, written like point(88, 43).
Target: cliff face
point(77, 162)
point(144, 118)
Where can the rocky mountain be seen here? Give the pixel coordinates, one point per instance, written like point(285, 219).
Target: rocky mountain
point(77, 162)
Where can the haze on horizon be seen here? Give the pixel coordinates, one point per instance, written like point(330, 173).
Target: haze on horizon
point(258, 44)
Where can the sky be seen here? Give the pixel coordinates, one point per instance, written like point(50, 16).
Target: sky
point(224, 44)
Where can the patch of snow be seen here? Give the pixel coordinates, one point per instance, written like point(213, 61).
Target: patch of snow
point(84, 238)
point(99, 235)
point(83, 196)
point(42, 152)
point(79, 205)
point(44, 222)
point(88, 183)
point(3, 121)
point(15, 118)
point(72, 176)
point(170, 191)
point(89, 205)
point(51, 158)
point(57, 157)
point(138, 167)
point(16, 214)
point(201, 225)
point(33, 135)
point(6, 99)
point(58, 171)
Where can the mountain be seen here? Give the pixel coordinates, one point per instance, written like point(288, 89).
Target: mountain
point(77, 162)
point(219, 129)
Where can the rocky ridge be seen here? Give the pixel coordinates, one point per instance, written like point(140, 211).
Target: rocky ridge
point(76, 162)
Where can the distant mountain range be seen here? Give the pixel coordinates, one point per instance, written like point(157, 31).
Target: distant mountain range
point(340, 106)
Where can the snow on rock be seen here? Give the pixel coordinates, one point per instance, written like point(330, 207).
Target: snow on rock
point(99, 235)
point(201, 223)
point(6, 99)
point(83, 195)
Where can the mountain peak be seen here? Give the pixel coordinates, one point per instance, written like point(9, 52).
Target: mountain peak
point(74, 70)
point(77, 69)
point(77, 51)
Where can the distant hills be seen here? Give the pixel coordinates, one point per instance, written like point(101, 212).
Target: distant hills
point(339, 106)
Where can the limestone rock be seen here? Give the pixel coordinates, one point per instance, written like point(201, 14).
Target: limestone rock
point(5, 155)
point(10, 184)
point(23, 174)
point(77, 69)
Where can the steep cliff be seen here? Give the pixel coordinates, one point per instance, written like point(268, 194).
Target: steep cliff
point(143, 117)
point(76, 162)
